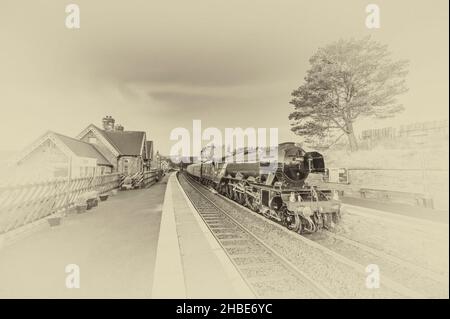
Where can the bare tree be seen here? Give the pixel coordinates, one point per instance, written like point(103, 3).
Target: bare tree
point(348, 79)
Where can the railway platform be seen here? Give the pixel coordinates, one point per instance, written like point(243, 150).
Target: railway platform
point(144, 243)
point(114, 246)
point(190, 263)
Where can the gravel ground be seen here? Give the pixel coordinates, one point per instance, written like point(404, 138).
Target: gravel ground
point(283, 288)
point(422, 244)
point(343, 280)
point(236, 242)
point(251, 260)
point(430, 288)
point(261, 271)
point(419, 244)
point(264, 271)
point(228, 236)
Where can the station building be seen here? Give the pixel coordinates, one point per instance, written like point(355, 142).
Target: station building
point(95, 151)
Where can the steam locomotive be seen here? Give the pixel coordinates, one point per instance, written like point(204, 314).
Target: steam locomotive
point(274, 187)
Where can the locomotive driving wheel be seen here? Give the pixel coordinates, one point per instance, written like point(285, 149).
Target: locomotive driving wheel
point(241, 198)
point(252, 202)
point(223, 189)
point(230, 191)
point(236, 196)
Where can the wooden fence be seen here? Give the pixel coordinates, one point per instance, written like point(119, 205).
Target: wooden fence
point(414, 129)
point(150, 177)
point(24, 204)
point(144, 179)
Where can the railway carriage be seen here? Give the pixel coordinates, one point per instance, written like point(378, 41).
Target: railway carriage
point(275, 188)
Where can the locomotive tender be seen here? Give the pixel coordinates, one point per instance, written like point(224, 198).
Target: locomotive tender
point(275, 189)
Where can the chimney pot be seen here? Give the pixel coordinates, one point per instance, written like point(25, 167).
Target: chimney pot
point(108, 123)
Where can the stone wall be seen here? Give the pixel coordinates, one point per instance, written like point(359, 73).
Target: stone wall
point(129, 165)
point(431, 182)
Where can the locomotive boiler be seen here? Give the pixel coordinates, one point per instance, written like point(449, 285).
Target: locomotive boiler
point(275, 187)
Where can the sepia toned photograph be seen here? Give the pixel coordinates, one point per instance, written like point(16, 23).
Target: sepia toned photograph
point(224, 150)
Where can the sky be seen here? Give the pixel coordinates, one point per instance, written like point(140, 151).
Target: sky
point(157, 65)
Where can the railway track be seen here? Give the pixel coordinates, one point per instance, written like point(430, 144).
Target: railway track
point(439, 230)
point(429, 283)
point(394, 259)
point(267, 273)
point(418, 246)
point(356, 258)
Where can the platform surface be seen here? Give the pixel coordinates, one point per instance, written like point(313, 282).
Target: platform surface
point(206, 270)
point(146, 243)
point(114, 246)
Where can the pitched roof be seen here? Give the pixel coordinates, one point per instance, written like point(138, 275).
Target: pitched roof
point(126, 142)
point(123, 142)
point(83, 149)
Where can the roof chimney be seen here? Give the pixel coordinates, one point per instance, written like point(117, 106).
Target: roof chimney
point(119, 128)
point(108, 123)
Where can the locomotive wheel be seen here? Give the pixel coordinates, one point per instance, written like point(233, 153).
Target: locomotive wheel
point(318, 220)
point(230, 192)
point(225, 190)
point(235, 196)
point(241, 197)
point(238, 197)
point(252, 203)
point(291, 221)
point(327, 221)
point(336, 217)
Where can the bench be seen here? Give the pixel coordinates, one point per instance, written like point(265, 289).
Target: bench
point(418, 199)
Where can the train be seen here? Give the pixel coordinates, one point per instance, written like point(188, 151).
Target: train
point(276, 189)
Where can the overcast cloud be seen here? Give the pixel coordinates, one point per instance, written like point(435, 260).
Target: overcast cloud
point(156, 65)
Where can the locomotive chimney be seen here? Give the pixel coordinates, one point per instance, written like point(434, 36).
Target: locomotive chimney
point(108, 123)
